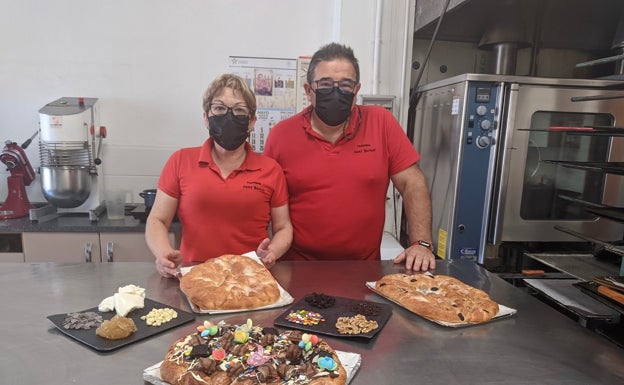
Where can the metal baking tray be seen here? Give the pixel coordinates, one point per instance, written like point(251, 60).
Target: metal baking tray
point(591, 289)
point(342, 308)
point(92, 340)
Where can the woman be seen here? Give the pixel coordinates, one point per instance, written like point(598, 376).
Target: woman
point(224, 194)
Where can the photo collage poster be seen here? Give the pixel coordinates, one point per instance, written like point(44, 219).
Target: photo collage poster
point(275, 83)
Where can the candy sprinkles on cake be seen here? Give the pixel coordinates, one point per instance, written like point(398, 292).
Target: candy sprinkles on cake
point(250, 354)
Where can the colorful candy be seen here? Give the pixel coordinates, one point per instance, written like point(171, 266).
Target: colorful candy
point(327, 363)
point(308, 340)
point(208, 329)
point(258, 358)
point(305, 317)
point(241, 336)
point(218, 354)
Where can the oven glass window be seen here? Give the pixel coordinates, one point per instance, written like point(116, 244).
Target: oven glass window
point(552, 191)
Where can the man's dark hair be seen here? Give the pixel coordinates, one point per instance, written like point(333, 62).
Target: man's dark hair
point(330, 52)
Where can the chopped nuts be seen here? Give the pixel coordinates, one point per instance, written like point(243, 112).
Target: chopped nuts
point(157, 317)
point(357, 324)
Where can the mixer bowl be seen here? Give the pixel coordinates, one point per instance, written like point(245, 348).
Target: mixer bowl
point(66, 186)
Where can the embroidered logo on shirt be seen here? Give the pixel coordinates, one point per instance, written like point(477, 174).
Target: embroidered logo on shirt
point(256, 186)
point(364, 148)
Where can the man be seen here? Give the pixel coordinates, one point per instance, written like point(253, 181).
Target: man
point(338, 158)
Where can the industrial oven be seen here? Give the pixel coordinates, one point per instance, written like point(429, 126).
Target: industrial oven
point(516, 159)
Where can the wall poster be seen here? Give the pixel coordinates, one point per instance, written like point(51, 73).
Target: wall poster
point(274, 82)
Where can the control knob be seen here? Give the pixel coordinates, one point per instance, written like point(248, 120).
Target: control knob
point(483, 141)
point(486, 124)
point(481, 110)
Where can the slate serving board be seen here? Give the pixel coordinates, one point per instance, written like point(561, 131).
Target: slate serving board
point(92, 340)
point(342, 308)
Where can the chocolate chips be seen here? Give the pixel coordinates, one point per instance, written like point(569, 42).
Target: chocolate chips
point(365, 308)
point(86, 320)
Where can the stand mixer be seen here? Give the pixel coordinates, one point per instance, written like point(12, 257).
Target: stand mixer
point(13, 156)
point(69, 162)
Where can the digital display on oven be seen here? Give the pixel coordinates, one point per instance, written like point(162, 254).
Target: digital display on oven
point(482, 95)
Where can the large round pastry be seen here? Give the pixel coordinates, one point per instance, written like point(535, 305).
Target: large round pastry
point(439, 297)
point(230, 282)
point(248, 355)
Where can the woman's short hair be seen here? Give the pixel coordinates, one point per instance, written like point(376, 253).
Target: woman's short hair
point(237, 84)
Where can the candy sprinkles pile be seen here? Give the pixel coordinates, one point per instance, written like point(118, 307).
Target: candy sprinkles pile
point(305, 317)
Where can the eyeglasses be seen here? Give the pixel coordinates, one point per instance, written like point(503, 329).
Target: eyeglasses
point(326, 86)
point(220, 109)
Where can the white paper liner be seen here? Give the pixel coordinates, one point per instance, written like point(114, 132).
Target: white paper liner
point(350, 361)
point(503, 311)
point(284, 299)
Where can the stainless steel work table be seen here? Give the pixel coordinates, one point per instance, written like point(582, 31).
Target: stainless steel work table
point(536, 346)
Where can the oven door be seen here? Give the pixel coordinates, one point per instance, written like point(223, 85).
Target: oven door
point(535, 193)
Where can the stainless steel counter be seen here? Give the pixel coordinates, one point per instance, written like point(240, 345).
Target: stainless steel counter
point(536, 346)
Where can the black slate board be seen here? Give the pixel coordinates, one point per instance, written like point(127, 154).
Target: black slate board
point(340, 309)
point(92, 340)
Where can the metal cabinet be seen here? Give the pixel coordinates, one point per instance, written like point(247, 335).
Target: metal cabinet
point(86, 247)
point(61, 247)
point(126, 247)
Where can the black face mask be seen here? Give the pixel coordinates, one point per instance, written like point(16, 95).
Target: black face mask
point(334, 107)
point(229, 131)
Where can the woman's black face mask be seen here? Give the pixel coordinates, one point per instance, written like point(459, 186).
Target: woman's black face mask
point(333, 107)
point(229, 131)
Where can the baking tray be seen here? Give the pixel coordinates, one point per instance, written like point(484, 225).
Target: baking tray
point(284, 299)
point(503, 312)
point(92, 340)
point(591, 289)
point(350, 361)
point(340, 309)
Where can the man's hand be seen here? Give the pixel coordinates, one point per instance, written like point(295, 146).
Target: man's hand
point(417, 258)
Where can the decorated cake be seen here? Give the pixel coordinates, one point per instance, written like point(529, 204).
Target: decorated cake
point(247, 354)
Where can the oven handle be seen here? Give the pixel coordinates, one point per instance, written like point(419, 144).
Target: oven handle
point(500, 183)
point(595, 97)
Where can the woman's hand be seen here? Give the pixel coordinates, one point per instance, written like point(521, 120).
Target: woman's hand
point(265, 254)
point(167, 264)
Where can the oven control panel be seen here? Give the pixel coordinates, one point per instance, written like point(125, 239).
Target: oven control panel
point(479, 146)
point(481, 113)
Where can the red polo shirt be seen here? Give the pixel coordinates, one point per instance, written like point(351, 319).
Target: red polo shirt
point(222, 216)
point(338, 191)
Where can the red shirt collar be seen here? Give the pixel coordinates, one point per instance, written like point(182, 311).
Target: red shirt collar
point(251, 162)
point(354, 121)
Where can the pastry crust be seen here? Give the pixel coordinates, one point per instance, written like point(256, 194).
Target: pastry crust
point(439, 297)
point(287, 360)
point(230, 282)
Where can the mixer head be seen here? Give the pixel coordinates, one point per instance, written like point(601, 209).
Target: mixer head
point(16, 204)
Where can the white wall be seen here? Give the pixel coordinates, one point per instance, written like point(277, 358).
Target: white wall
point(149, 61)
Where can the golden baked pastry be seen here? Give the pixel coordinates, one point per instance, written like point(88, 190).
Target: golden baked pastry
point(116, 328)
point(439, 297)
point(230, 282)
point(248, 355)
